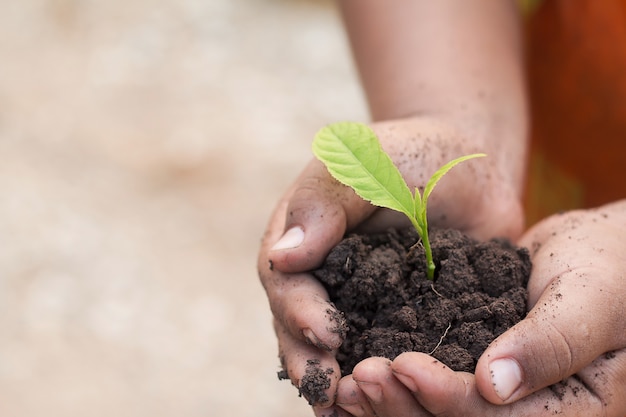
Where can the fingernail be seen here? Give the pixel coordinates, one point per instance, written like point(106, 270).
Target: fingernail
point(406, 381)
point(506, 377)
point(291, 239)
point(373, 391)
point(314, 340)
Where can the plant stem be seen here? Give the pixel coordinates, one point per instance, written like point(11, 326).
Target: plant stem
point(422, 231)
point(430, 265)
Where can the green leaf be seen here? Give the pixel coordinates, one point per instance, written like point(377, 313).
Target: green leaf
point(353, 155)
point(441, 172)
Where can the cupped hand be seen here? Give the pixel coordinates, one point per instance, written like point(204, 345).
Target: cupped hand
point(567, 357)
point(477, 197)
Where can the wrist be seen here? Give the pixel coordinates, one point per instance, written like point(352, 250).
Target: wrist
point(481, 196)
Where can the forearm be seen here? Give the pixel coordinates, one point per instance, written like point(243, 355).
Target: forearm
point(458, 61)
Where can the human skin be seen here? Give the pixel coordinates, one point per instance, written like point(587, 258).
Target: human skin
point(574, 336)
point(443, 79)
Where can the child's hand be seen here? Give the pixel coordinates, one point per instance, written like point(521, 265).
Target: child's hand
point(317, 211)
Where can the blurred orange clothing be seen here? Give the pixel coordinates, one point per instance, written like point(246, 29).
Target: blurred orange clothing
point(576, 57)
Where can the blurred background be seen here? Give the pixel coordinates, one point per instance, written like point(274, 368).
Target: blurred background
point(143, 145)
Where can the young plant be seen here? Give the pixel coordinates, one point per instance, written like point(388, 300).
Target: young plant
point(353, 155)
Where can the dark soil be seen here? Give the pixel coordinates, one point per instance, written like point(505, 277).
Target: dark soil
point(390, 307)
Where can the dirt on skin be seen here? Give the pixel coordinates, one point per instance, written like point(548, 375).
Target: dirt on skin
point(390, 307)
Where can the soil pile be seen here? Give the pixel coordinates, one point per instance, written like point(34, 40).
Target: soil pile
point(379, 283)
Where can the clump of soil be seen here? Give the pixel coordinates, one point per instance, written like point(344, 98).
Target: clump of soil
point(379, 283)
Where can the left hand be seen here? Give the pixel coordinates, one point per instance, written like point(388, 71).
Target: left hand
point(567, 357)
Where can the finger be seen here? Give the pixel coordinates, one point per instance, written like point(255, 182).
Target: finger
point(315, 214)
point(301, 304)
point(574, 320)
point(299, 301)
point(434, 385)
point(351, 399)
point(387, 396)
point(313, 371)
point(442, 391)
point(332, 411)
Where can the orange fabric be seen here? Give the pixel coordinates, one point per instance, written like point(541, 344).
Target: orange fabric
point(577, 79)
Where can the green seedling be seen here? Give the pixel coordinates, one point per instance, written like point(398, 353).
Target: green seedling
point(353, 155)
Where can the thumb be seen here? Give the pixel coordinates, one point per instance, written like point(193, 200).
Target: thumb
point(317, 211)
point(570, 326)
point(575, 291)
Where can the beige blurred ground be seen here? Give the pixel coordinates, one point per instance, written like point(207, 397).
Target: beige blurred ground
point(142, 146)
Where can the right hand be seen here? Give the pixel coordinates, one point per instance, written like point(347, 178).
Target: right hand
point(317, 211)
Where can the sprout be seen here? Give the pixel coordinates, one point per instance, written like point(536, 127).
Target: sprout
point(353, 155)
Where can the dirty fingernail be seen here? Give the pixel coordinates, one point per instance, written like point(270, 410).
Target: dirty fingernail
point(291, 239)
point(373, 391)
point(314, 340)
point(506, 377)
